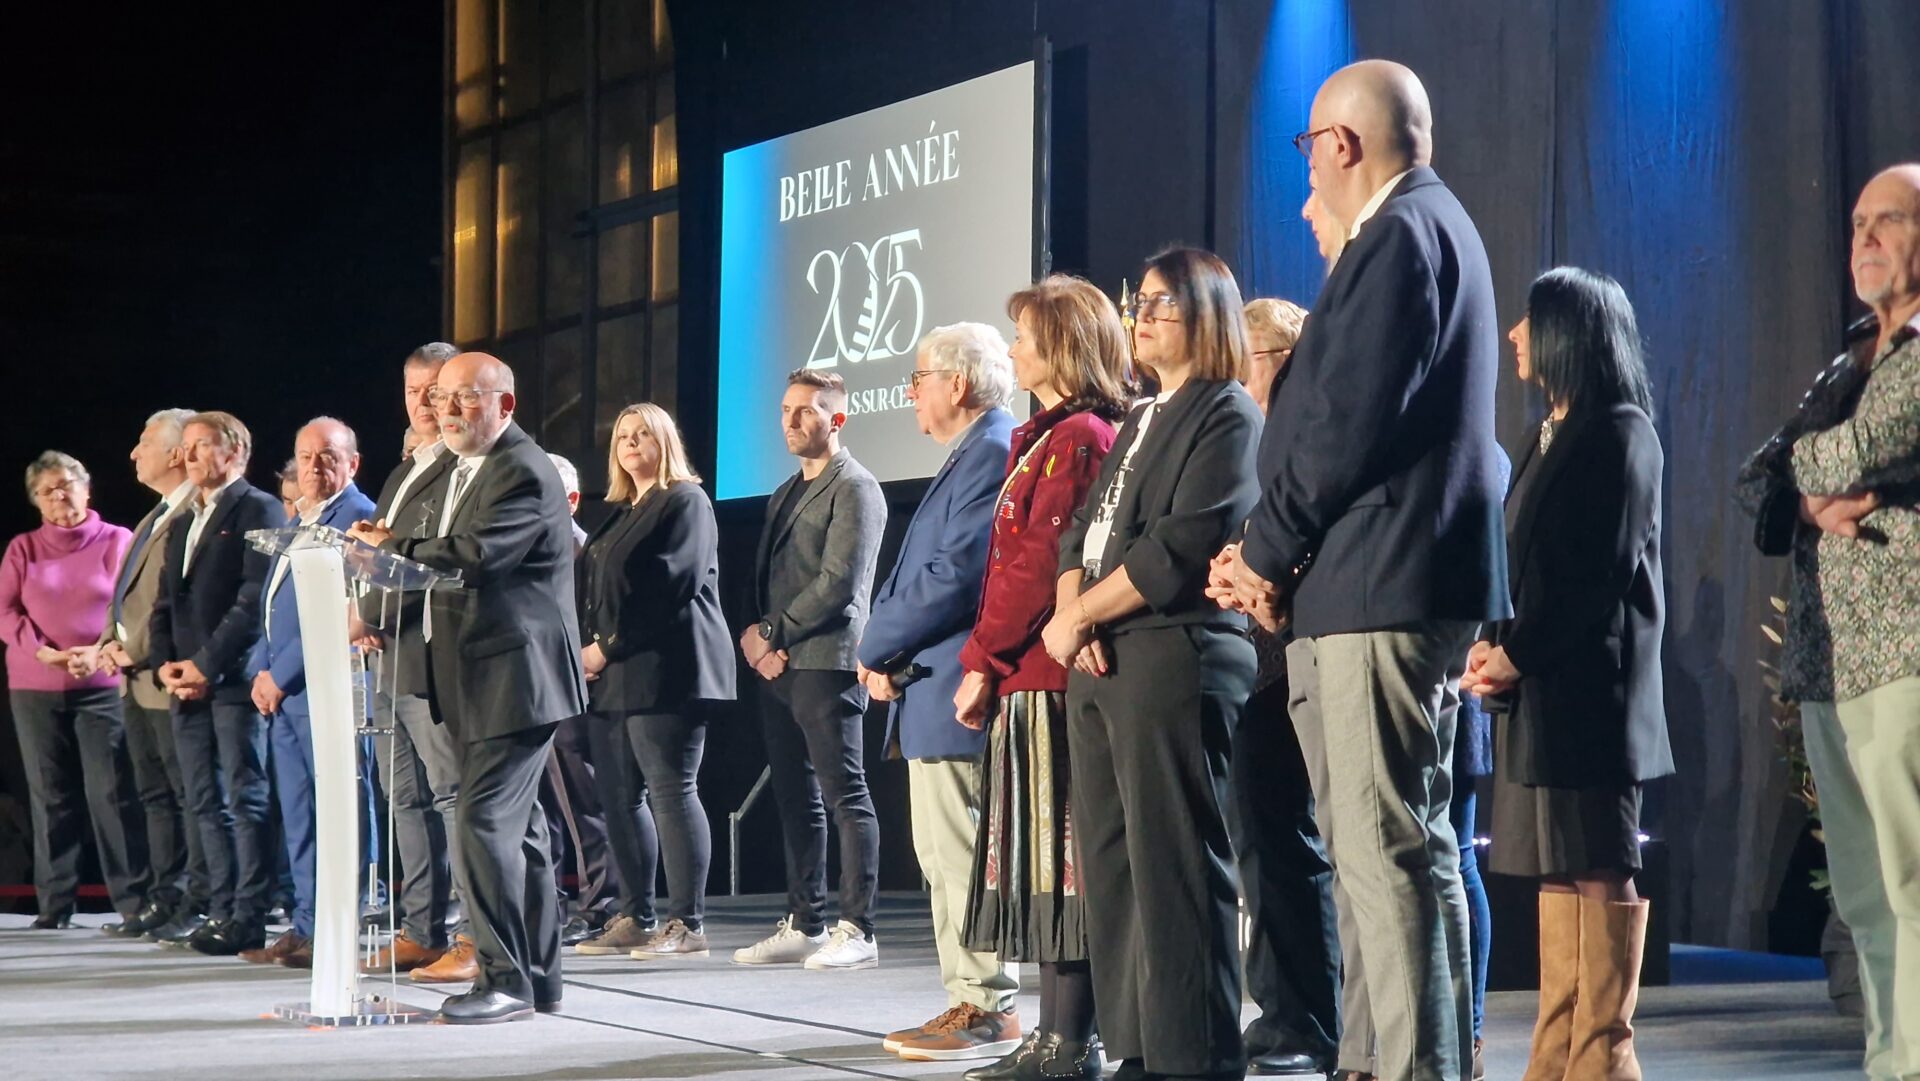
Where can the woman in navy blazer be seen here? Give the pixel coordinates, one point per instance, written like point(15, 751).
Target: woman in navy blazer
point(1161, 675)
point(655, 649)
point(1577, 668)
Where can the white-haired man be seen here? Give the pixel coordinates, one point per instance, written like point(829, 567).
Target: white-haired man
point(910, 656)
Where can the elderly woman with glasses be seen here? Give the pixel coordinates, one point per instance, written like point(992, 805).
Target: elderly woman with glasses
point(56, 588)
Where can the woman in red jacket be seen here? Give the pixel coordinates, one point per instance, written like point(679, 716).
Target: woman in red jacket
point(1071, 352)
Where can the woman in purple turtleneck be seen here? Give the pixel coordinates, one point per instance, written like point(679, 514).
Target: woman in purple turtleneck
point(56, 590)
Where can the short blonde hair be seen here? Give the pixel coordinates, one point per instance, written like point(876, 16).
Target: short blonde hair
point(1280, 318)
point(674, 466)
point(232, 433)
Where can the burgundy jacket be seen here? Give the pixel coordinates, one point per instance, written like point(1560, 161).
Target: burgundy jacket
point(1034, 508)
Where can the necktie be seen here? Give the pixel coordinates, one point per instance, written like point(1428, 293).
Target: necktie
point(133, 555)
point(455, 489)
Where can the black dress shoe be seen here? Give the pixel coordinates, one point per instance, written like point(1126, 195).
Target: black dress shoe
point(1018, 1064)
point(483, 1008)
point(151, 915)
point(547, 1007)
point(53, 921)
point(225, 938)
point(1287, 1064)
point(576, 930)
point(177, 930)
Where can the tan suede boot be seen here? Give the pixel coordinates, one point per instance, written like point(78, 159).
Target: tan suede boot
point(1612, 937)
point(1559, 981)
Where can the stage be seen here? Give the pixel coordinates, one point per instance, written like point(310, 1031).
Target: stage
point(77, 1004)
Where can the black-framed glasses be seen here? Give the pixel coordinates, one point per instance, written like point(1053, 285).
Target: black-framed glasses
point(1155, 306)
point(1303, 142)
point(466, 399)
point(914, 377)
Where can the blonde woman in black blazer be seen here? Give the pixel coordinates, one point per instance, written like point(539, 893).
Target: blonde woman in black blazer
point(1160, 676)
point(656, 650)
point(1577, 668)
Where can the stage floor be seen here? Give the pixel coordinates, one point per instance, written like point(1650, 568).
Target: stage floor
point(77, 1004)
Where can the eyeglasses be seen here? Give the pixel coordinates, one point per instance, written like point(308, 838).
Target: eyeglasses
point(466, 399)
point(1160, 306)
point(914, 377)
point(1272, 352)
point(68, 485)
point(1303, 142)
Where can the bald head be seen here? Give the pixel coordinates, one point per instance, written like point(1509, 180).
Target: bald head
point(1886, 246)
point(474, 398)
point(1381, 124)
point(326, 455)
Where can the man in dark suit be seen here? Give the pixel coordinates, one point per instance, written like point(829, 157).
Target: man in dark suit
point(1379, 522)
point(910, 655)
point(326, 456)
point(503, 669)
point(420, 755)
point(205, 621)
point(812, 578)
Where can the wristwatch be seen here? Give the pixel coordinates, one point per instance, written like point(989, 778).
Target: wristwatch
point(766, 629)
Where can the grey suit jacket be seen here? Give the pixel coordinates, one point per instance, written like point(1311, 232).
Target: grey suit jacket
point(136, 610)
point(505, 650)
point(820, 562)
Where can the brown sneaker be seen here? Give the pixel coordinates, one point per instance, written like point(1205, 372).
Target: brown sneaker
point(963, 1032)
point(272, 952)
point(619, 936)
point(404, 955)
point(676, 939)
point(459, 965)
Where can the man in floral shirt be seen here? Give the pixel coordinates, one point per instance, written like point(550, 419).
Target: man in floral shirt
point(1868, 568)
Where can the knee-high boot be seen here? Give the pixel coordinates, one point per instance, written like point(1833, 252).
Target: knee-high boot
point(1612, 937)
point(1560, 948)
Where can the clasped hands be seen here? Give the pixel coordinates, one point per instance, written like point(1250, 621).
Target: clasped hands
point(760, 654)
point(185, 681)
point(1236, 587)
point(1838, 514)
point(1489, 670)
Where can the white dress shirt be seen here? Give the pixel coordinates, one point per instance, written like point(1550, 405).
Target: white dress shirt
point(423, 459)
point(458, 485)
point(202, 508)
point(1374, 204)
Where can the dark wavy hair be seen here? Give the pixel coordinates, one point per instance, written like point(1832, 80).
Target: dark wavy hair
point(1210, 309)
point(1583, 341)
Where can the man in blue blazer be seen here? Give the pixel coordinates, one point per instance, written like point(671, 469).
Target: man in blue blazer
point(326, 455)
point(910, 656)
point(1379, 523)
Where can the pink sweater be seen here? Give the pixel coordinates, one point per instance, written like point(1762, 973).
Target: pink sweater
point(56, 589)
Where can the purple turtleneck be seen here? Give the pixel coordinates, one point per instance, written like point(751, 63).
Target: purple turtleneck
point(56, 589)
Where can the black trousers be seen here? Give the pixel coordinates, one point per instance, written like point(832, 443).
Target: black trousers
point(1150, 743)
point(577, 821)
point(223, 761)
point(511, 908)
point(648, 766)
point(1293, 952)
point(75, 754)
point(812, 722)
point(178, 870)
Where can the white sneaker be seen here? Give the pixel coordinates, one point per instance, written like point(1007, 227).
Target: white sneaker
point(847, 947)
point(786, 946)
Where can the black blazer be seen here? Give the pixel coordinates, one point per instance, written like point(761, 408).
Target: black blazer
point(505, 652)
point(1589, 606)
point(418, 516)
point(212, 617)
point(649, 580)
point(1191, 487)
point(1378, 459)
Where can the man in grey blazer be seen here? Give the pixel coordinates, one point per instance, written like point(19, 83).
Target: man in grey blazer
point(503, 669)
point(178, 897)
point(812, 580)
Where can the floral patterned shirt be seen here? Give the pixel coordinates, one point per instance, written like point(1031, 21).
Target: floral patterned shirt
point(1870, 586)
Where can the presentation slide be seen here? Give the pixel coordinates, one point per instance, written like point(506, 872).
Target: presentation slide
point(842, 245)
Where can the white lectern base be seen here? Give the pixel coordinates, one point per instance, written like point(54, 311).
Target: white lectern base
point(371, 1010)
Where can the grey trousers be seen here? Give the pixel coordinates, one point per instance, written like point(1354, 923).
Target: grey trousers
point(420, 764)
point(1375, 712)
point(173, 850)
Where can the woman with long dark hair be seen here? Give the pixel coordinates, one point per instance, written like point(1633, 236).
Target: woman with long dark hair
point(1070, 351)
point(1160, 677)
point(1577, 668)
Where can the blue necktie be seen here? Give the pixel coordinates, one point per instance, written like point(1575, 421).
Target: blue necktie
point(133, 555)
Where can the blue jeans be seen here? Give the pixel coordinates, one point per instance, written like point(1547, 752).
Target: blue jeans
point(1479, 918)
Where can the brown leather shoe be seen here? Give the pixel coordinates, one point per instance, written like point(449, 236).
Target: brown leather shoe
point(274, 951)
point(460, 965)
point(404, 955)
point(300, 956)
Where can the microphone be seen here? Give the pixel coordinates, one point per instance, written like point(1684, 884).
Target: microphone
point(905, 677)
